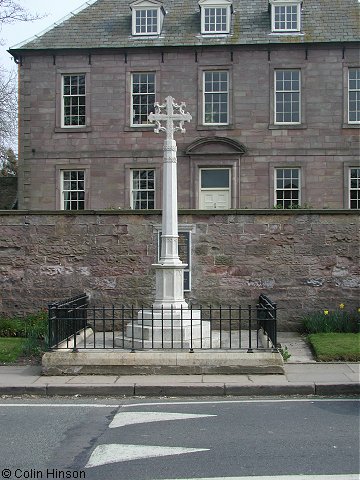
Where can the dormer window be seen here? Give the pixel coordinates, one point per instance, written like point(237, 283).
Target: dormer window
point(215, 16)
point(147, 17)
point(285, 15)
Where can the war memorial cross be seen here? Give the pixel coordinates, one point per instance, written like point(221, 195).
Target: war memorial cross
point(170, 269)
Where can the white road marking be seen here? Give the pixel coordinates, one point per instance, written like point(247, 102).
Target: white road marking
point(252, 400)
point(282, 477)
point(114, 453)
point(59, 405)
point(130, 418)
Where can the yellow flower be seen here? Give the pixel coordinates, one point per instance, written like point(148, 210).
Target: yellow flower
point(342, 306)
point(359, 310)
point(326, 312)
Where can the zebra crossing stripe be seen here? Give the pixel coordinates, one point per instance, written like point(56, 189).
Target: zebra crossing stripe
point(130, 418)
point(115, 453)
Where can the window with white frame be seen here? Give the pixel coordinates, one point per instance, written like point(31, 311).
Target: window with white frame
point(287, 188)
point(354, 95)
point(216, 98)
point(354, 188)
point(287, 97)
point(285, 15)
point(142, 97)
point(147, 17)
point(215, 16)
point(215, 20)
point(73, 190)
point(146, 21)
point(73, 100)
point(143, 189)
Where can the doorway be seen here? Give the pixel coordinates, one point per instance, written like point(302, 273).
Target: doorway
point(215, 189)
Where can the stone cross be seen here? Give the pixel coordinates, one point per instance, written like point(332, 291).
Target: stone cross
point(169, 117)
point(170, 270)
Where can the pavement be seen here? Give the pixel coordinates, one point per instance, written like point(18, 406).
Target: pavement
point(303, 376)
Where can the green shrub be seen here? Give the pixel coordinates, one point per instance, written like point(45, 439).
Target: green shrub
point(338, 321)
point(33, 328)
point(36, 333)
point(12, 327)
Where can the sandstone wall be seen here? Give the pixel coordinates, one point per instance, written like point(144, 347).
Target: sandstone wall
point(323, 146)
point(304, 260)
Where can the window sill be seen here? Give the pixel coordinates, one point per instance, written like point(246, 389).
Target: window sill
point(145, 35)
point(140, 128)
point(215, 127)
point(283, 33)
point(72, 129)
point(215, 34)
point(289, 126)
point(351, 125)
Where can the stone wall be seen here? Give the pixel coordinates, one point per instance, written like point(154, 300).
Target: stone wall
point(304, 260)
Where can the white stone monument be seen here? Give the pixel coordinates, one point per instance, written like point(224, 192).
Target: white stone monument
point(170, 323)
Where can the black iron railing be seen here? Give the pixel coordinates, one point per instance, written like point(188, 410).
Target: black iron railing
point(266, 314)
point(75, 325)
point(66, 319)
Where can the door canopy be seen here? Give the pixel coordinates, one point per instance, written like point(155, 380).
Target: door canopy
point(216, 145)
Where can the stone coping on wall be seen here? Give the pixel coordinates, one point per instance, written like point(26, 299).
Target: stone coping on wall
point(244, 211)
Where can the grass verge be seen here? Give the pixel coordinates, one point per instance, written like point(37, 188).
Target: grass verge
point(330, 347)
point(11, 349)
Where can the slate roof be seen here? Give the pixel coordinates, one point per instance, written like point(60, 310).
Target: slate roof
point(8, 193)
point(107, 24)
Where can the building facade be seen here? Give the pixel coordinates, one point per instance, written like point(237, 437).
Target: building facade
point(273, 89)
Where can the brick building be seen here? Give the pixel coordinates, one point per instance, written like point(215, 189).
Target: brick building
point(273, 88)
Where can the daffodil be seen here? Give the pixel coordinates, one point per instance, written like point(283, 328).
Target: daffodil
point(326, 312)
point(342, 306)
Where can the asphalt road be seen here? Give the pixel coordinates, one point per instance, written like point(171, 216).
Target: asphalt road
point(179, 439)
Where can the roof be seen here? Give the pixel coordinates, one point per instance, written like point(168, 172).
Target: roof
point(107, 24)
point(8, 193)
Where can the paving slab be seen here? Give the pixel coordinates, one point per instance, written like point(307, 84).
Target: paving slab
point(317, 367)
point(24, 370)
point(353, 377)
point(55, 380)
point(238, 379)
point(297, 346)
point(336, 377)
point(354, 367)
point(159, 379)
point(268, 380)
point(93, 379)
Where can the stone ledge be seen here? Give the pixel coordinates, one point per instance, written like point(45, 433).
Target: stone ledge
point(160, 363)
point(235, 211)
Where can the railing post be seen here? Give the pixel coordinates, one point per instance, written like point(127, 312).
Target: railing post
point(113, 326)
point(275, 344)
point(132, 330)
point(191, 332)
point(50, 327)
point(239, 327)
point(250, 350)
